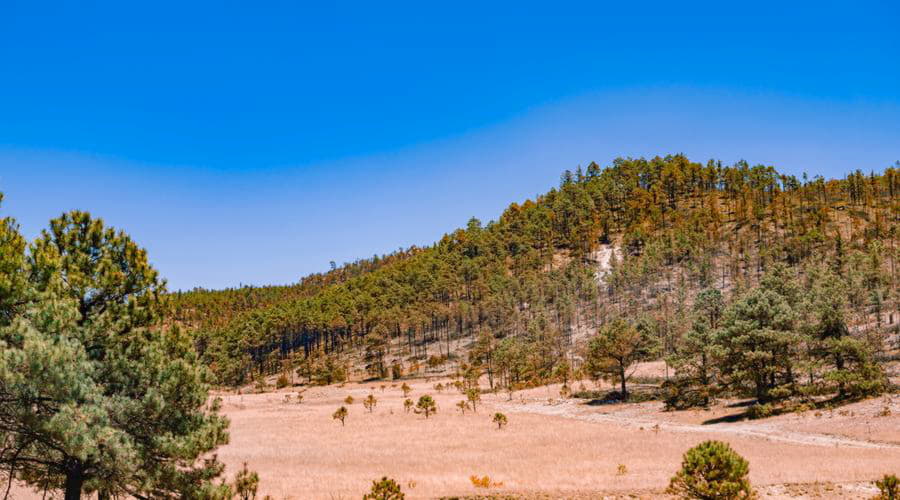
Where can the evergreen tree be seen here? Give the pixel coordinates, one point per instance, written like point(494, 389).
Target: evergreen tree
point(712, 471)
point(426, 405)
point(759, 341)
point(616, 347)
point(97, 395)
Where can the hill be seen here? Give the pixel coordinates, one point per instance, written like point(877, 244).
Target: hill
point(520, 297)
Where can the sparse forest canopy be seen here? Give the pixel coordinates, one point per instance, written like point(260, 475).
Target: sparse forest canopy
point(635, 241)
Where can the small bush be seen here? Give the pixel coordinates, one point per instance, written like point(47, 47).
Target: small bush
point(712, 470)
point(386, 489)
point(621, 470)
point(484, 482)
point(349, 400)
point(407, 405)
point(760, 411)
point(246, 482)
point(406, 390)
point(888, 488)
point(282, 381)
point(370, 403)
point(500, 419)
point(340, 414)
point(682, 394)
point(463, 406)
point(261, 385)
point(474, 397)
point(426, 405)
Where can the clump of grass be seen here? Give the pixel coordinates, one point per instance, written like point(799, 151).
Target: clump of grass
point(484, 482)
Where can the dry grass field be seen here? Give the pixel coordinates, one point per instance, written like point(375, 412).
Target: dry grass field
point(551, 448)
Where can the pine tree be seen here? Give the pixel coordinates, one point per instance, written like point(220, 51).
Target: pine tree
point(98, 396)
point(616, 347)
point(386, 489)
point(426, 405)
point(712, 471)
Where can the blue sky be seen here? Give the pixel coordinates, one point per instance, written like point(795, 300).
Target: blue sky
point(248, 143)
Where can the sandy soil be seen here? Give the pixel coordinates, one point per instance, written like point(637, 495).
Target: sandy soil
point(551, 448)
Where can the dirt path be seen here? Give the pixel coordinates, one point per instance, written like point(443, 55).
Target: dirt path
point(760, 430)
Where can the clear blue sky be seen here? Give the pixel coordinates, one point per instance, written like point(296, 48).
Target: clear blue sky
point(255, 142)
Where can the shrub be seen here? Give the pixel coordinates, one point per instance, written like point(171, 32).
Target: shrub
point(484, 482)
point(499, 419)
point(340, 414)
point(474, 396)
point(712, 470)
point(426, 405)
point(760, 411)
point(349, 400)
point(282, 381)
point(621, 470)
point(462, 405)
point(246, 482)
point(370, 403)
point(386, 489)
point(888, 488)
point(406, 390)
point(681, 394)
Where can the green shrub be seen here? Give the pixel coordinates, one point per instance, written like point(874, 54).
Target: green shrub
point(500, 419)
point(426, 405)
point(282, 381)
point(760, 411)
point(888, 487)
point(246, 482)
point(386, 489)
point(713, 471)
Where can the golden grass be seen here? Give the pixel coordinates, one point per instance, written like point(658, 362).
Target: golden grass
point(301, 452)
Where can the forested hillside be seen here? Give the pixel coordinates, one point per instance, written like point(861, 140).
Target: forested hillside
point(664, 256)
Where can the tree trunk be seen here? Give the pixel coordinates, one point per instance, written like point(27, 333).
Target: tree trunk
point(622, 378)
point(74, 481)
